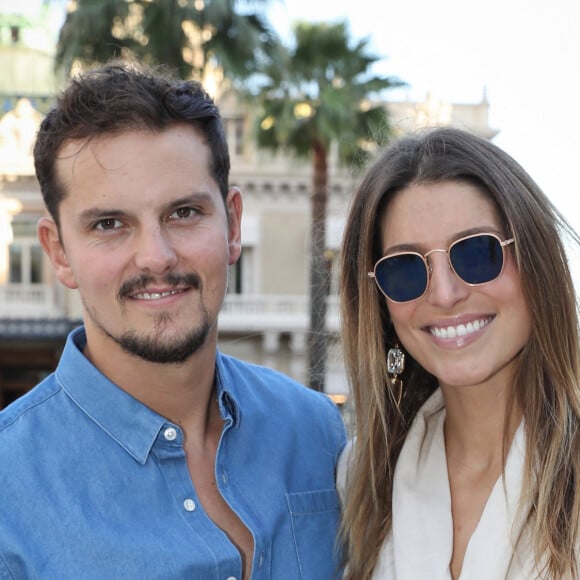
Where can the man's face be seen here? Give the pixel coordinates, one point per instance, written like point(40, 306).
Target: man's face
point(146, 239)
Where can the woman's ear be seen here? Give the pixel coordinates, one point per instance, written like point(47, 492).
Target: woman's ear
point(49, 237)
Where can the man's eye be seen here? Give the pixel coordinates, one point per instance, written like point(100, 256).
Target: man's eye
point(184, 213)
point(107, 224)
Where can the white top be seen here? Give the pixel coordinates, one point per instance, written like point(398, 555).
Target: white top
point(420, 543)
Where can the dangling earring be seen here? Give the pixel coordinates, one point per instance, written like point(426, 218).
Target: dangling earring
point(395, 367)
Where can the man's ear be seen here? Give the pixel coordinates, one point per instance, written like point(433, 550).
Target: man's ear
point(234, 214)
point(51, 243)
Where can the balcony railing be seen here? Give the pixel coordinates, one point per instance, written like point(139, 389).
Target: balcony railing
point(29, 301)
point(275, 312)
point(240, 312)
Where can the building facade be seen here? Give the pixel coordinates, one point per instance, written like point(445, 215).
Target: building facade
point(265, 314)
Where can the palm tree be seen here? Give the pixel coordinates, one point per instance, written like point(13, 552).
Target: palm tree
point(190, 36)
point(322, 96)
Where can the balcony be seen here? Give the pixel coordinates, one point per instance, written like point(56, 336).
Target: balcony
point(240, 312)
point(29, 301)
point(272, 312)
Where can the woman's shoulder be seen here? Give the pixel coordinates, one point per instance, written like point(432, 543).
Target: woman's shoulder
point(343, 469)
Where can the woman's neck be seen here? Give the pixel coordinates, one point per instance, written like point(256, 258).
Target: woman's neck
point(476, 425)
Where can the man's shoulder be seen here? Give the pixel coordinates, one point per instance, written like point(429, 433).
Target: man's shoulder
point(268, 399)
point(262, 390)
point(24, 412)
point(265, 380)
point(236, 365)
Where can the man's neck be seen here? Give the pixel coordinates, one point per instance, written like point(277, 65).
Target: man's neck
point(182, 393)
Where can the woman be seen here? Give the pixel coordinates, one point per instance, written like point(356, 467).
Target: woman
point(461, 345)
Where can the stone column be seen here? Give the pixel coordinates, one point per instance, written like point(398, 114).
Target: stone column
point(9, 207)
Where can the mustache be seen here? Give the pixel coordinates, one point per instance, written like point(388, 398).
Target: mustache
point(173, 280)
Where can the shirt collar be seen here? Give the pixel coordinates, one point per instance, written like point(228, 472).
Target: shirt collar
point(228, 399)
point(129, 422)
point(133, 425)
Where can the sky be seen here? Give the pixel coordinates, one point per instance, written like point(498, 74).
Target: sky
point(524, 54)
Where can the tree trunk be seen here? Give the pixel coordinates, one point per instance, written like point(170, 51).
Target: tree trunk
point(319, 274)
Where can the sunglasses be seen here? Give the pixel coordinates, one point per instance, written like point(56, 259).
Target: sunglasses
point(476, 259)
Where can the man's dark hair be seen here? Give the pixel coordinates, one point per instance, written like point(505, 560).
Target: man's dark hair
point(120, 97)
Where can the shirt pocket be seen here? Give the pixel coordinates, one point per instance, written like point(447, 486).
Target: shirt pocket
point(315, 518)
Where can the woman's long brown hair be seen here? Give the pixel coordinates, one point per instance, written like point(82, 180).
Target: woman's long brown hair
point(546, 385)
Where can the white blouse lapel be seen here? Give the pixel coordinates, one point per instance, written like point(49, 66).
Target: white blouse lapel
point(421, 541)
point(422, 525)
point(491, 547)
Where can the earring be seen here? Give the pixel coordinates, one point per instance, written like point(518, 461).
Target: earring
point(395, 367)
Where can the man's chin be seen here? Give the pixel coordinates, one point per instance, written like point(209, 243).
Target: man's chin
point(155, 350)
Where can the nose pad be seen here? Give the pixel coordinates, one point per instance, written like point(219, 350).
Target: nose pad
point(429, 260)
point(445, 287)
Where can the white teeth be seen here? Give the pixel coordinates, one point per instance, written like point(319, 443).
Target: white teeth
point(154, 295)
point(460, 329)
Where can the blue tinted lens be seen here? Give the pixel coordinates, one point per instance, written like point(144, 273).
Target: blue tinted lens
point(402, 277)
point(477, 260)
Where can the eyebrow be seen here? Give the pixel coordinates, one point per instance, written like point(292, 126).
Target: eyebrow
point(196, 198)
point(96, 213)
point(409, 247)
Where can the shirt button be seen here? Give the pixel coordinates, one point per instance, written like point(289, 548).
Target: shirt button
point(189, 505)
point(232, 578)
point(170, 434)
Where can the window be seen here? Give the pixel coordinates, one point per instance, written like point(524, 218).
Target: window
point(234, 129)
point(235, 277)
point(241, 274)
point(25, 255)
point(25, 259)
point(15, 34)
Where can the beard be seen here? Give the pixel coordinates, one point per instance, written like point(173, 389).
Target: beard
point(155, 346)
point(168, 351)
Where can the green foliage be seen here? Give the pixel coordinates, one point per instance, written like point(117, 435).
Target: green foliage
point(322, 94)
point(17, 20)
point(87, 33)
point(184, 35)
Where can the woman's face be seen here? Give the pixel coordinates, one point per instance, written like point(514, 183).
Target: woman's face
point(464, 335)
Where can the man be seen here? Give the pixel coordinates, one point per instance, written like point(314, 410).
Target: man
point(148, 453)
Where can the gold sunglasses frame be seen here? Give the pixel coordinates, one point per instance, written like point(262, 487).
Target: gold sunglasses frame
point(503, 244)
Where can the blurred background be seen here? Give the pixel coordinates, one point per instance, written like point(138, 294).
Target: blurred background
point(309, 92)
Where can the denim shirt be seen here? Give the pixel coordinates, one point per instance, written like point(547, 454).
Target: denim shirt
point(95, 485)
